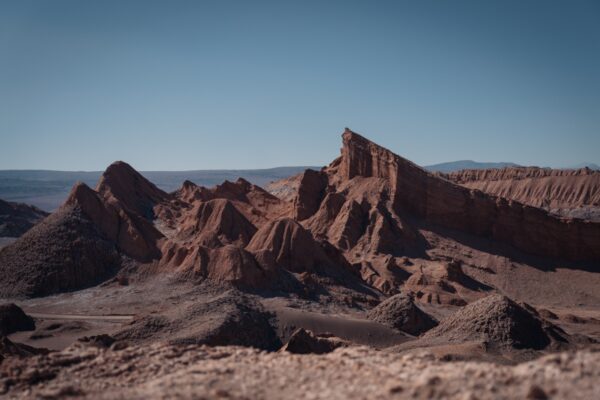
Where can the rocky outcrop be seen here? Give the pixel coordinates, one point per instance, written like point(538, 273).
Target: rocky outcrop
point(134, 235)
point(13, 319)
point(401, 313)
point(311, 190)
point(255, 203)
point(289, 246)
point(306, 342)
point(17, 218)
point(229, 264)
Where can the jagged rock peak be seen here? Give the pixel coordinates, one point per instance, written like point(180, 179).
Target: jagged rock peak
point(361, 157)
point(124, 183)
point(81, 195)
point(187, 184)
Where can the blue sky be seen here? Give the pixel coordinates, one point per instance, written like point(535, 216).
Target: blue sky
point(176, 85)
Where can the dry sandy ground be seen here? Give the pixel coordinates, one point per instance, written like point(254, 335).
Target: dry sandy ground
point(200, 372)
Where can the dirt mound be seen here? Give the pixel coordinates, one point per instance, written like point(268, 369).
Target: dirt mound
point(13, 319)
point(216, 223)
point(306, 342)
point(500, 322)
point(228, 319)
point(64, 252)
point(18, 218)
point(400, 312)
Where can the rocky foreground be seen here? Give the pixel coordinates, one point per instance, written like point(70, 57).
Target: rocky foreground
point(199, 372)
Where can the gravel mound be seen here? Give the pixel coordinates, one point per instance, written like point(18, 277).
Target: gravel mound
point(229, 319)
point(401, 313)
point(498, 321)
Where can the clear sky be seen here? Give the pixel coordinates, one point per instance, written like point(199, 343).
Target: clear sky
point(173, 85)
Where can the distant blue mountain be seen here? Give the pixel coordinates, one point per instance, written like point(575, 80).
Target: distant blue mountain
point(467, 164)
point(589, 165)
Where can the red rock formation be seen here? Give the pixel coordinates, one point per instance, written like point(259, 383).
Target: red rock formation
point(289, 246)
point(257, 205)
point(311, 190)
point(359, 217)
point(438, 201)
point(217, 222)
point(122, 184)
point(133, 235)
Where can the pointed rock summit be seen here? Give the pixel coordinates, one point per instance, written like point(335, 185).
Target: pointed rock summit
point(361, 157)
point(218, 222)
point(124, 184)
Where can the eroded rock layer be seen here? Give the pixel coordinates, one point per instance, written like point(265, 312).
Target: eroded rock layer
point(565, 192)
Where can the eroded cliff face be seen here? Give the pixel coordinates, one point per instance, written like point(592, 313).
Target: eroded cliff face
point(413, 190)
point(539, 187)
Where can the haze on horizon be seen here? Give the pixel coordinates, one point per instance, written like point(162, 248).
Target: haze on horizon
point(186, 85)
